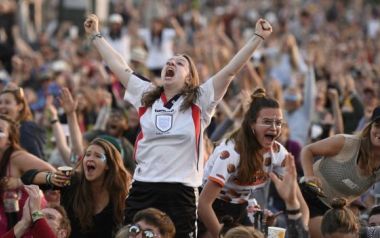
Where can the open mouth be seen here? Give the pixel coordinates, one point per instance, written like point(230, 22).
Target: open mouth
point(169, 72)
point(4, 112)
point(90, 167)
point(113, 127)
point(270, 137)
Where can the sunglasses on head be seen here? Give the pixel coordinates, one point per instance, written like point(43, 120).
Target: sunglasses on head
point(18, 92)
point(135, 229)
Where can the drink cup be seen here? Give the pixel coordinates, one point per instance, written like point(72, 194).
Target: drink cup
point(66, 170)
point(276, 232)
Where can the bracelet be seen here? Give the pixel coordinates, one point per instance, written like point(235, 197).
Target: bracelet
point(294, 217)
point(53, 121)
point(293, 212)
point(260, 36)
point(48, 178)
point(37, 215)
point(95, 36)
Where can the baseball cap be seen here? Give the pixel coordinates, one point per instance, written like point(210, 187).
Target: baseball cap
point(375, 114)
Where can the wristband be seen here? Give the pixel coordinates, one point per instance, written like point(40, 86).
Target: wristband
point(293, 212)
point(95, 36)
point(37, 215)
point(48, 178)
point(260, 36)
point(53, 121)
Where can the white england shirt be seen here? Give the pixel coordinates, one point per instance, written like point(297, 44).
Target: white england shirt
point(222, 168)
point(169, 147)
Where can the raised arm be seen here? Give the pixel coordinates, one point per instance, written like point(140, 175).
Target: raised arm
point(69, 106)
point(113, 59)
point(58, 132)
point(338, 119)
point(222, 79)
point(289, 191)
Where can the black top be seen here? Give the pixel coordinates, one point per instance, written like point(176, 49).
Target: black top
point(104, 224)
point(32, 138)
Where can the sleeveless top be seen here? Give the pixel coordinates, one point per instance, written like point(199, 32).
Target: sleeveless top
point(340, 174)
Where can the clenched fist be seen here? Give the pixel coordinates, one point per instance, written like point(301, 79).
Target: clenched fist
point(91, 24)
point(263, 28)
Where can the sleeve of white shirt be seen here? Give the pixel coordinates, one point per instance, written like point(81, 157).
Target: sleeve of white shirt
point(135, 89)
point(206, 100)
point(219, 172)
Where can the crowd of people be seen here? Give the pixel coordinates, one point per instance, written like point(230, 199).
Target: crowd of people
point(190, 119)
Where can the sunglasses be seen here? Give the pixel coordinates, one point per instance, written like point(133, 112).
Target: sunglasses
point(270, 123)
point(135, 229)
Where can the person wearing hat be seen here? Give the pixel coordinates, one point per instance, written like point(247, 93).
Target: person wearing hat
point(348, 167)
point(118, 37)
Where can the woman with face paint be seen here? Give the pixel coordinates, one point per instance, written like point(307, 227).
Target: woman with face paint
point(241, 164)
point(169, 149)
point(14, 162)
point(94, 195)
point(348, 166)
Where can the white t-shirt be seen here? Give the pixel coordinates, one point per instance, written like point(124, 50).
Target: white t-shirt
point(121, 45)
point(222, 168)
point(169, 147)
point(158, 55)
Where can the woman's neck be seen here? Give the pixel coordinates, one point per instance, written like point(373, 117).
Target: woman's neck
point(97, 186)
point(170, 93)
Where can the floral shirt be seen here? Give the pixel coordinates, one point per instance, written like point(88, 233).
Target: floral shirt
point(222, 168)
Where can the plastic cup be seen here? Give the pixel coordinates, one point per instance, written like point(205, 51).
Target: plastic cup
point(276, 232)
point(66, 170)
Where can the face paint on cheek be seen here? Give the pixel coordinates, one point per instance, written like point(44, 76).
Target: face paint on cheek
point(2, 135)
point(103, 158)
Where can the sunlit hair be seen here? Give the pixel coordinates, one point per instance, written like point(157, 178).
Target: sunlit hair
point(244, 231)
point(367, 162)
point(116, 181)
point(157, 218)
point(25, 114)
point(246, 143)
point(339, 219)
point(190, 91)
point(65, 222)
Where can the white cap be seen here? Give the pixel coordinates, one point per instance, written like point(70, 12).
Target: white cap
point(115, 18)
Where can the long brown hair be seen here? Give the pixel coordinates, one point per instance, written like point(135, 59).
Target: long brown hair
point(25, 114)
point(116, 181)
point(339, 219)
point(14, 143)
point(246, 143)
point(190, 91)
point(367, 162)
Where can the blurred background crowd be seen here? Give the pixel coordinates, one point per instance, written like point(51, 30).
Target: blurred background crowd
point(43, 49)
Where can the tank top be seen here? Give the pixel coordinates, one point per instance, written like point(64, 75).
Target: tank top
point(340, 174)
